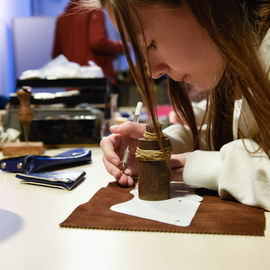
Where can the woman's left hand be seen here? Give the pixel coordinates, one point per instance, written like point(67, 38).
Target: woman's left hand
point(178, 162)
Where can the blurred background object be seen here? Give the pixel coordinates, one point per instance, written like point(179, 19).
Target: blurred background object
point(29, 39)
point(81, 36)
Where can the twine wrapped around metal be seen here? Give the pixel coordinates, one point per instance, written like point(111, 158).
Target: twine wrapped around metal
point(153, 169)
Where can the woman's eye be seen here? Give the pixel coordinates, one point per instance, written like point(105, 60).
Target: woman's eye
point(152, 45)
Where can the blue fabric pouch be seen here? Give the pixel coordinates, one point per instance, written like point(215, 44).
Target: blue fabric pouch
point(32, 163)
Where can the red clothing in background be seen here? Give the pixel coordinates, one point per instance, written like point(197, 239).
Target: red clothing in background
point(81, 36)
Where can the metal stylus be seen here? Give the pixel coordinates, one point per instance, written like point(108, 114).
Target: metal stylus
point(137, 116)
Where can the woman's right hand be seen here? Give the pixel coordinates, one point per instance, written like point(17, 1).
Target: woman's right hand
point(114, 146)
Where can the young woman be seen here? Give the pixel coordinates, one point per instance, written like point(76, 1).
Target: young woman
point(222, 47)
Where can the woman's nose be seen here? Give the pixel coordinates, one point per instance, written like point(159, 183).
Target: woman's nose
point(157, 70)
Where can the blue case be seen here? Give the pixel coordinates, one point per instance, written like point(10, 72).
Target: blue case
point(57, 179)
point(33, 163)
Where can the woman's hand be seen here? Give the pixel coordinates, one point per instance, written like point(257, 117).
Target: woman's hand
point(114, 146)
point(178, 162)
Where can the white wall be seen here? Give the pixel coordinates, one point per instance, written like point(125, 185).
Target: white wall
point(33, 40)
point(49, 7)
point(8, 10)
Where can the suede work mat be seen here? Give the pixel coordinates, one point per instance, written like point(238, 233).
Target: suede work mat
point(214, 216)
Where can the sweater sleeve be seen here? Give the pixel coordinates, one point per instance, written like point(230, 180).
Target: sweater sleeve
point(180, 138)
point(233, 172)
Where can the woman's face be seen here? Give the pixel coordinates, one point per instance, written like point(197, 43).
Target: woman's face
point(178, 46)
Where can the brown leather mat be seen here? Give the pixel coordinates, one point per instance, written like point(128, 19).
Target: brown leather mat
point(214, 216)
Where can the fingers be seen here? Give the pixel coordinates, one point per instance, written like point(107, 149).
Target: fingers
point(123, 177)
point(177, 174)
point(131, 129)
point(176, 161)
point(179, 160)
point(112, 161)
point(111, 168)
point(110, 158)
point(114, 146)
point(108, 146)
point(126, 179)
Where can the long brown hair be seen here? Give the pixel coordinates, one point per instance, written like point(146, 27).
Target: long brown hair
point(237, 27)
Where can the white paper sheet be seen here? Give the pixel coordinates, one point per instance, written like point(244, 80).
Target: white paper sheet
point(178, 210)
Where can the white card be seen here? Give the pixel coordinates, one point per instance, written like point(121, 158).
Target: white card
point(178, 210)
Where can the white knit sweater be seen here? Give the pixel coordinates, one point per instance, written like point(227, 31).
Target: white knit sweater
point(233, 171)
